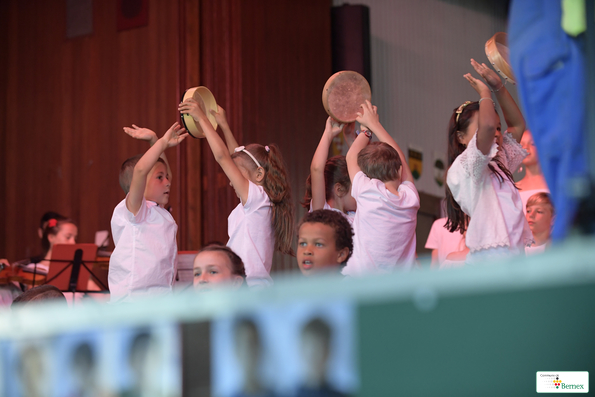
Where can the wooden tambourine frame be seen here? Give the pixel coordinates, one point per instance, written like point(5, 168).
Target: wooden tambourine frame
point(343, 94)
point(497, 51)
point(207, 102)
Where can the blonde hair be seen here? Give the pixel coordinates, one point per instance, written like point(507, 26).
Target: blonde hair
point(540, 198)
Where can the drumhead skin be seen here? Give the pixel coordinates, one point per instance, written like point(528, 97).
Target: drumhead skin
point(343, 94)
point(498, 54)
point(207, 102)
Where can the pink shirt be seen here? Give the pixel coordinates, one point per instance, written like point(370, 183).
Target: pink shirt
point(444, 241)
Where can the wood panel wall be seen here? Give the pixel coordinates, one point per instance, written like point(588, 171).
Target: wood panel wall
point(65, 102)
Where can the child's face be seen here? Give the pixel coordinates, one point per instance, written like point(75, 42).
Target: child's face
point(472, 127)
point(528, 144)
point(539, 217)
point(67, 234)
point(317, 249)
point(213, 268)
point(157, 188)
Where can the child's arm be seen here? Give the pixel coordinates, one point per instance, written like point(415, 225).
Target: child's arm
point(172, 137)
point(369, 119)
point(221, 118)
point(487, 121)
point(510, 110)
point(145, 134)
point(361, 141)
point(220, 151)
point(331, 130)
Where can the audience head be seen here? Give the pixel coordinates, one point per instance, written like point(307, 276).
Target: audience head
point(58, 231)
point(325, 240)
point(43, 293)
point(337, 184)
point(540, 213)
point(381, 161)
point(316, 346)
point(218, 265)
point(126, 172)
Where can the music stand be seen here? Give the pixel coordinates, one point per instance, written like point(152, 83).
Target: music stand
point(74, 257)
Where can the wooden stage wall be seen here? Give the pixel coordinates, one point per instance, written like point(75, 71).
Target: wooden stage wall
point(64, 103)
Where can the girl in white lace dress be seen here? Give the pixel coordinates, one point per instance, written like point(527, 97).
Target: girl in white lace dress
point(481, 196)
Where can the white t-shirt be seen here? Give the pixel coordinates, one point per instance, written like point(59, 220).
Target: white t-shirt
point(495, 208)
point(252, 237)
point(143, 261)
point(349, 215)
point(444, 241)
point(384, 227)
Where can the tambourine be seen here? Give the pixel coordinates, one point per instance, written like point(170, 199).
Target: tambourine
point(207, 102)
point(343, 94)
point(499, 55)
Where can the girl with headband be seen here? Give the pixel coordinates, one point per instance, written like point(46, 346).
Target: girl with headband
point(481, 196)
point(263, 220)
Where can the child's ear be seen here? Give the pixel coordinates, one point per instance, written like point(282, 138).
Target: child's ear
point(259, 176)
point(342, 255)
point(339, 190)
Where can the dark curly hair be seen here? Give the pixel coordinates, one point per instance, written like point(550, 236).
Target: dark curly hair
point(336, 220)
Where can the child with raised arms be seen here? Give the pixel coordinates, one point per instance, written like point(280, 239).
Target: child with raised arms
point(263, 220)
point(328, 186)
point(144, 232)
point(387, 201)
point(479, 181)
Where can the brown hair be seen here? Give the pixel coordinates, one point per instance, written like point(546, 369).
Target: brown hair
point(276, 185)
point(457, 219)
point(127, 169)
point(379, 160)
point(237, 266)
point(540, 198)
point(335, 171)
point(336, 220)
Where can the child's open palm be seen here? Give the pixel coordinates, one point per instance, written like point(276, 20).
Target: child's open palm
point(220, 116)
point(174, 135)
point(478, 85)
point(143, 134)
point(487, 74)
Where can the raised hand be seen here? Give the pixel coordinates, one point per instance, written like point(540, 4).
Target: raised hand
point(479, 86)
point(333, 127)
point(190, 106)
point(221, 117)
point(174, 135)
point(490, 76)
point(143, 134)
point(368, 116)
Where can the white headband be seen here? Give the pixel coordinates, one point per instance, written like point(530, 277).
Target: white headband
point(243, 149)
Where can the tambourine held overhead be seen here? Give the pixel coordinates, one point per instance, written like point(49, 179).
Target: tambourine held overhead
point(498, 54)
point(343, 95)
point(207, 102)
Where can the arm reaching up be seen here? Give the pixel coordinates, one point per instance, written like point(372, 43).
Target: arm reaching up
point(318, 183)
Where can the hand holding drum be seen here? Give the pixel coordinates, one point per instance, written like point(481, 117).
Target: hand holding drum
point(343, 94)
point(206, 102)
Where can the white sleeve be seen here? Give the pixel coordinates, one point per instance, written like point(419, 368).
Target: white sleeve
point(513, 152)
point(473, 162)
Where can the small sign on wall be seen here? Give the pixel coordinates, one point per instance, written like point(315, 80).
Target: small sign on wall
point(132, 14)
point(415, 161)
